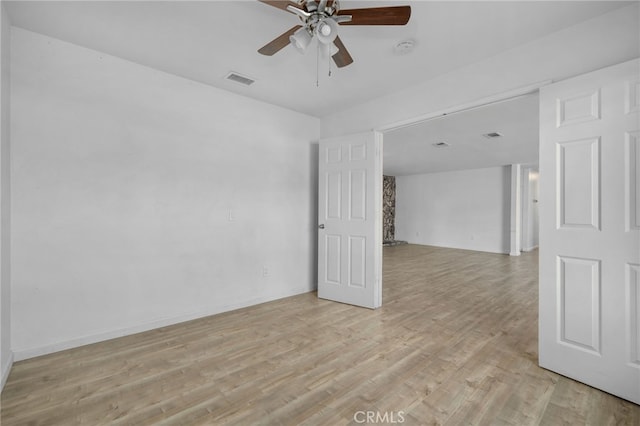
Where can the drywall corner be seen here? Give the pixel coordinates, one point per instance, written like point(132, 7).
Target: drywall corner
point(6, 369)
point(6, 356)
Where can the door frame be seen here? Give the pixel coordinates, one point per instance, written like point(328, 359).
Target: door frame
point(478, 103)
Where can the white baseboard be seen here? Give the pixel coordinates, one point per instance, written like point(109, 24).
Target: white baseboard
point(6, 369)
point(528, 249)
point(23, 354)
point(481, 250)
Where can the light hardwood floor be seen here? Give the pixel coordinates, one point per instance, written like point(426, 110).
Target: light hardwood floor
point(454, 343)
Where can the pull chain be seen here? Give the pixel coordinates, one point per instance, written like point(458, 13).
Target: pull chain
point(318, 66)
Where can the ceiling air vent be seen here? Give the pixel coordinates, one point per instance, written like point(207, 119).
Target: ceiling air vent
point(441, 144)
point(492, 135)
point(239, 78)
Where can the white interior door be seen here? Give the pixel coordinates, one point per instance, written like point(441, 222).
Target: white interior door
point(590, 229)
point(350, 220)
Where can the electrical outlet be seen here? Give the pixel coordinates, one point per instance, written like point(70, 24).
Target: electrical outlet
point(232, 215)
point(265, 271)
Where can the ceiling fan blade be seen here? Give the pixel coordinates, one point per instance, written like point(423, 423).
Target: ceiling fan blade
point(278, 43)
point(392, 15)
point(342, 58)
point(280, 4)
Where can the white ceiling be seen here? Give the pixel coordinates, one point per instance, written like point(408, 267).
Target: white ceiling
point(205, 40)
point(410, 150)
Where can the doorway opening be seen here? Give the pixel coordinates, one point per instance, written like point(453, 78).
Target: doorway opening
point(449, 178)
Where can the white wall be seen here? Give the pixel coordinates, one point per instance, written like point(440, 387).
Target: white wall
point(6, 356)
point(608, 39)
point(467, 209)
point(124, 183)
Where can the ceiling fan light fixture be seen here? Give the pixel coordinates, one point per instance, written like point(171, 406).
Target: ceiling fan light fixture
point(328, 50)
point(311, 6)
point(327, 31)
point(301, 40)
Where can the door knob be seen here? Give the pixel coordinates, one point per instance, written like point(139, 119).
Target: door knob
point(321, 226)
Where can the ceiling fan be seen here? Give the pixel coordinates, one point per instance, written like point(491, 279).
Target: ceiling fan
point(320, 19)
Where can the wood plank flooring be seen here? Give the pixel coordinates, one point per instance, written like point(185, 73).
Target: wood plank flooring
point(455, 343)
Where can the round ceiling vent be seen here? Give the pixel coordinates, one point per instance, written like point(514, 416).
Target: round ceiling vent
point(404, 47)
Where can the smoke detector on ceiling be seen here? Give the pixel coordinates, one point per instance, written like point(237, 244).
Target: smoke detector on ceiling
point(404, 47)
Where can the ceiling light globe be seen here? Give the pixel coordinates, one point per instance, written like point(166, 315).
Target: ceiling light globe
point(325, 29)
point(300, 40)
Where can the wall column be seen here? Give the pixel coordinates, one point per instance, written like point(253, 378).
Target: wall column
point(389, 208)
point(516, 203)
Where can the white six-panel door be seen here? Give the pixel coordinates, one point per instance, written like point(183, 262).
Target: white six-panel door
point(350, 220)
point(589, 300)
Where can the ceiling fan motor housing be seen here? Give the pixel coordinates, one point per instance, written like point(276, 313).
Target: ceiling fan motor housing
point(318, 18)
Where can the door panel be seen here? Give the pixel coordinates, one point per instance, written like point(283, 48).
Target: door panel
point(631, 180)
point(579, 183)
point(350, 218)
point(633, 312)
point(579, 285)
point(589, 234)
